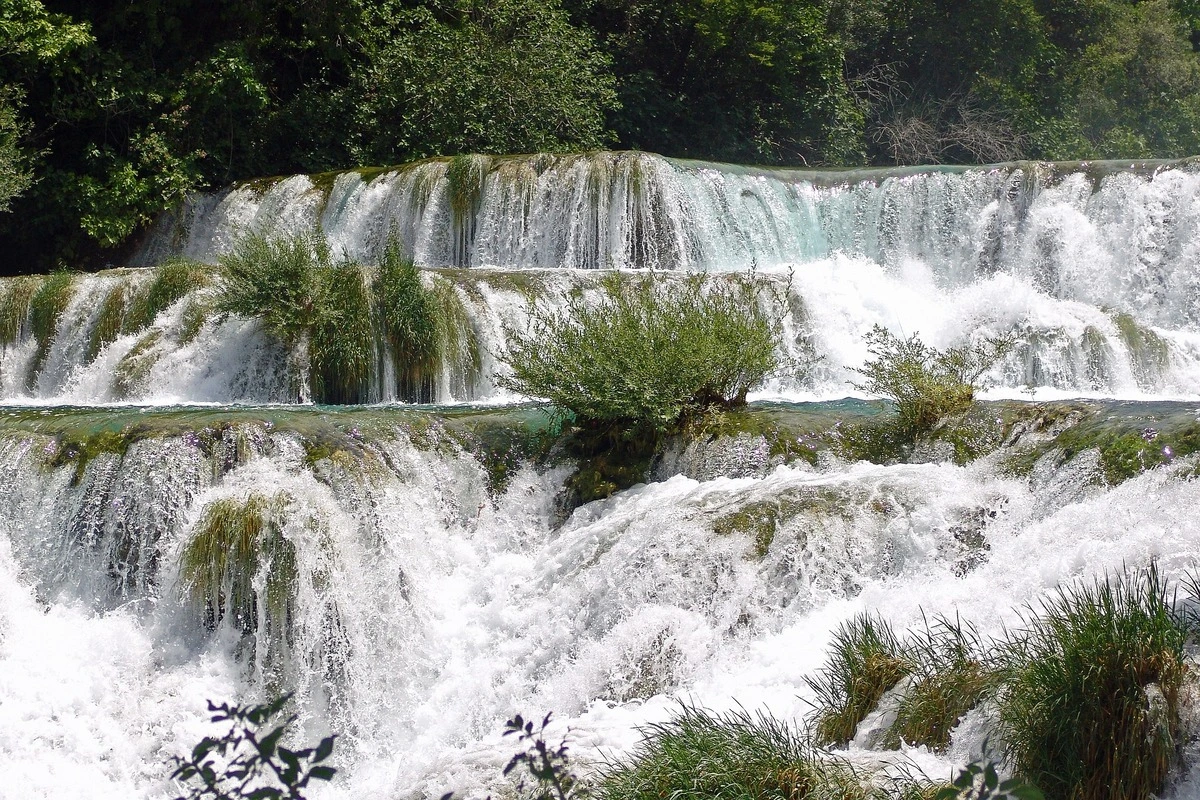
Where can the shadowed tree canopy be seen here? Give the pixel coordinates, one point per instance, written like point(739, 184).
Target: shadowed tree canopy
point(112, 110)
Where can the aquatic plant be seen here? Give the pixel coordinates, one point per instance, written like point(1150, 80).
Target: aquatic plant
point(107, 326)
point(866, 660)
point(980, 781)
point(280, 280)
point(926, 384)
point(248, 761)
point(46, 308)
point(173, 279)
point(700, 755)
point(233, 542)
point(342, 346)
point(411, 316)
point(647, 355)
point(949, 678)
point(465, 175)
point(14, 306)
point(1089, 706)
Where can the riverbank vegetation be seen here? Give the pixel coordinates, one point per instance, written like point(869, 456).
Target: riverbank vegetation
point(111, 112)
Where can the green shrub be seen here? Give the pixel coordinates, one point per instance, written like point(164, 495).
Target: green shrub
point(699, 755)
point(411, 322)
point(647, 355)
point(866, 661)
point(173, 279)
point(927, 385)
point(280, 280)
point(1089, 708)
point(950, 677)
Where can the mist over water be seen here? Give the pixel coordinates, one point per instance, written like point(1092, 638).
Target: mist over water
point(430, 605)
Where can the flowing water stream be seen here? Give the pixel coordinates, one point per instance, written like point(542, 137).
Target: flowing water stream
point(435, 582)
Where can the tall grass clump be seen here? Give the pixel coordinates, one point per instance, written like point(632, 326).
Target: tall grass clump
point(236, 546)
point(14, 307)
point(699, 755)
point(173, 280)
point(107, 326)
point(1089, 708)
point(343, 343)
point(950, 675)
point(646, 355)
point(412, 323)
point(46, 308)
point(926, 384)
point(866, 661)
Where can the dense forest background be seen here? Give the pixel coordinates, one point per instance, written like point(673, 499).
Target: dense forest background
point(111, 110)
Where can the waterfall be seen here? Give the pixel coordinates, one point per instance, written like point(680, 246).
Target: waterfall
point(418, 574)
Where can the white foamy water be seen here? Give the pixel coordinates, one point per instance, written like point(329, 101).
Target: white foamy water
point(426, 612)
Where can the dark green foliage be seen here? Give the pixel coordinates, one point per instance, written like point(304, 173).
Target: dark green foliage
point(699, 755)
point(646, 354)
point(247, 764)
point(927, 385)
point(46, 308)
point(1090, 702)
point(949, 678)
point(173, 279)
point(866, 660)
point(412, 323)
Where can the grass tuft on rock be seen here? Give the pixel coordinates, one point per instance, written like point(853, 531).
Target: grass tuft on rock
point(866, 661)
point(700, 755)
point(411, 319)
point(14, 307)
point(280, 280)
point(343, 342)
point(107, 326)
point(46, 308)
point(237, 547)
point(950, 676)
point(1091, 690)
point(173, 279)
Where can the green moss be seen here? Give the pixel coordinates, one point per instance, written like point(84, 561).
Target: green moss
point(1126, 454)
point(46, 308)
point(81, 448)
point(132, 370)
point(233, 542)
point(1149, 351)
point(14, 306)
point(342, 347)
point(107, 326)
point(758, 520)
point(172, 280)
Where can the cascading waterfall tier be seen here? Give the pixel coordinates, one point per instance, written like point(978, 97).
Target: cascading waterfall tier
point(413, 596)
point(181, 520)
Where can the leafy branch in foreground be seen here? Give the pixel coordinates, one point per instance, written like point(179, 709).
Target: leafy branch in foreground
point(926, 384)
point(549, 766)
point(246, 764)
point(979, 781)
